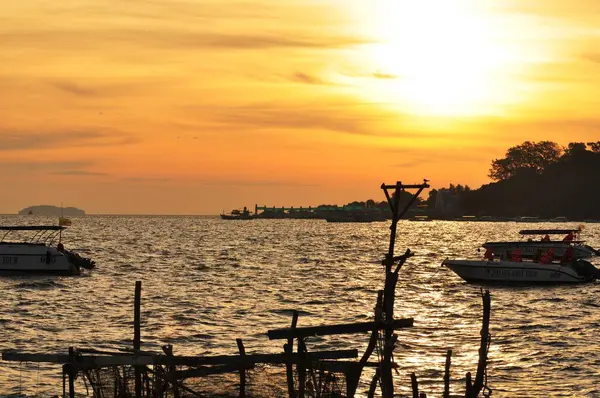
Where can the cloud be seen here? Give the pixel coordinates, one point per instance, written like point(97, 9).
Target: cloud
point(274, 118)
point(172, 38)
point(300, 77)
point(260, 183)
point(74, 167)
point(23, 140)
point(76, 89)
point(147, 179)
point(380, 75)
point(78, 173)
point(592, 57)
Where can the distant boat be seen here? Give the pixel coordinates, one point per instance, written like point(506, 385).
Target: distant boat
point(238, 215)
point(37, 256)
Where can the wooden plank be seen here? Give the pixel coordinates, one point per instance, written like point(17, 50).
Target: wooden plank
point(89, 361)
point(331, 366)
point(206, 371)
point(82, 361)
point(347, 328)
point(410, 186)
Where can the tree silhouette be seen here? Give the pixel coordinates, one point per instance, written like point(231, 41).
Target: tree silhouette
point(527, 157)
point(567, 185)
point(594, 146)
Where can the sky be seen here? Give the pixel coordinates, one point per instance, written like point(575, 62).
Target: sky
point(200, 106)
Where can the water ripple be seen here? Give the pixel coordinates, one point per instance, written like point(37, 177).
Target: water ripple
point(208, 281)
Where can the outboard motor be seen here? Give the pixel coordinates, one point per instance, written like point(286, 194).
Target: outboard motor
point(79, 261)
point(585, 269)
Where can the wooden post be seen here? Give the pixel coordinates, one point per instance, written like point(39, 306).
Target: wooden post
point(242, 351)
point(474, 390)
point(72, 373)
point(373, 385)
point(387, 381)
point(447, 374)
point(414, 384)
point(289, 349)
point(168, 350)
point(469, 384)
point(137, 343)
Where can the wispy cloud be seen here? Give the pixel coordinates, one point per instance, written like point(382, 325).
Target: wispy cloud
point(78, 173)
point(176, 39)
point(147, 179)
point(76, 89)
point(381, 75)
point(300, 77)
point(50, 167)
point(269, 183)
point(25, 140)
point(593, 57)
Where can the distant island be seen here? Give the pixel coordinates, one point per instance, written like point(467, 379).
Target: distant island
point(48, 210)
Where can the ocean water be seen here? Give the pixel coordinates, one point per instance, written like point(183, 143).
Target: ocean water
point(206, 281)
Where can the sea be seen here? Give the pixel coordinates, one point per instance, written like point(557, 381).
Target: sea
point(207, 281)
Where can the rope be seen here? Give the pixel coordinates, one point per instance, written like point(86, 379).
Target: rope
point(434, 274)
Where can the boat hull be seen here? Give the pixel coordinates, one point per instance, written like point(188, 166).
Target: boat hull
point(517, 272)
point(234, 217)
point(34, 259)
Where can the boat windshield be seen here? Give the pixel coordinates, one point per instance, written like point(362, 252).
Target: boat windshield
point(42, 234)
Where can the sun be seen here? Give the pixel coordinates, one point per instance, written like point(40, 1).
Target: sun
point(438, 57)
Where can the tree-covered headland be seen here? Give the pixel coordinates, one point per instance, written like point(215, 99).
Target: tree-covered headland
point(540, 179)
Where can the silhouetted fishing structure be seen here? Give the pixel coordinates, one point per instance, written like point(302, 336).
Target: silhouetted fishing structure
point(134, 372)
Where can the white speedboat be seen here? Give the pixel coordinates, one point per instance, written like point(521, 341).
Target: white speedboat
point(533, 248)
point(526, 272)
point(37, 256)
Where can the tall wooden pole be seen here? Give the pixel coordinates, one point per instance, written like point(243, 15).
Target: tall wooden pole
point(391, 279)
point(137, 343)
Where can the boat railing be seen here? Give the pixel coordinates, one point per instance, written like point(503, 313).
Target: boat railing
point(43, 234)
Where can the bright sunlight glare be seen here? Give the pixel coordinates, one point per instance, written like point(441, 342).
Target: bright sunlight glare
point(439, 57)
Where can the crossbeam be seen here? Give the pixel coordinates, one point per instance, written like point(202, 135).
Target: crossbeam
point(346, 328)
point(89, 361)
point(412, 186)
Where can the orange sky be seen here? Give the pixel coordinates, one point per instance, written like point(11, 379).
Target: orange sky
point(194, 106)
